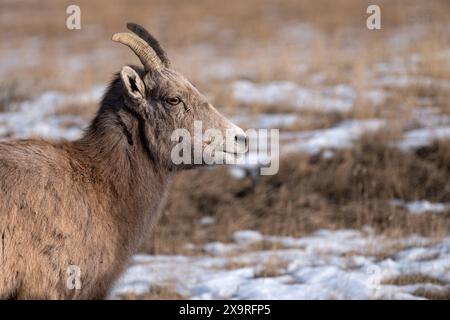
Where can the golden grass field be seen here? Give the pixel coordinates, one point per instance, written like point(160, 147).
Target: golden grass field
point(314, 44)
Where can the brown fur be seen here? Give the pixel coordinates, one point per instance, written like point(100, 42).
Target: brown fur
point(90, 202)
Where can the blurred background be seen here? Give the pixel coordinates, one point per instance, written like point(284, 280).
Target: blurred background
point(360, 207)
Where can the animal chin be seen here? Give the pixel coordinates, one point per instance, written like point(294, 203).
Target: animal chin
point(231, 157)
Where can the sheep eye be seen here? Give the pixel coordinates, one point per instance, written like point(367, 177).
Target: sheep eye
point(173, 101)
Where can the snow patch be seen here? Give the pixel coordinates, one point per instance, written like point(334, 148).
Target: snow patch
point(339, 98)
point(207, 220)
point(417, 138)
point(266, 120)
point(35, 117)
point(340, 264)
point(340, 136)
point(421, 207)
point(247, 236)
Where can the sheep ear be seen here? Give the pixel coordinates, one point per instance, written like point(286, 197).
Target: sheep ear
point(134, 86)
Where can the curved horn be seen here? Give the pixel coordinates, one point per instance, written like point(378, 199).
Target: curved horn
point(143, 51)
point(152, 42)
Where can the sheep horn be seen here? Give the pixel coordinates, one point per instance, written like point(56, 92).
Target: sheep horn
point(143, 51)
point(151, 41)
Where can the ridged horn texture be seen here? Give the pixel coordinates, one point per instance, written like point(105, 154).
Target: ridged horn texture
point(151, 41)
point(144, 52)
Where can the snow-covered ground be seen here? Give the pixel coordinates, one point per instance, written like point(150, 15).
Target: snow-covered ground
point(342, 264)
point(340, 136)
point(338, 98)
point(36, 117)
point(424, 136)
point(421, 207)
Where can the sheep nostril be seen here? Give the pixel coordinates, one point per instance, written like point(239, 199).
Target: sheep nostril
point(243, 139)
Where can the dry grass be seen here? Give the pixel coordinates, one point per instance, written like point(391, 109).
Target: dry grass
point(11, 93)
point(314, 120)
point(340, 26)
point(157, 292)
point(86, 111)
point(416, 278)
point(443, 294)
point(390, 249)
point(274, 267)
point(234, 264)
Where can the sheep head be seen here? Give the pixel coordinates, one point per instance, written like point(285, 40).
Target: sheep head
point(167, 102)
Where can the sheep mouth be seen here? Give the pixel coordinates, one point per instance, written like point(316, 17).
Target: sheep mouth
point(231, 157)
point(235, 152)
point(236, 149)
point(221, 155)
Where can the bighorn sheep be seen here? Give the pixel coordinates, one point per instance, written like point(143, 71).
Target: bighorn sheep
point(90, 202)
